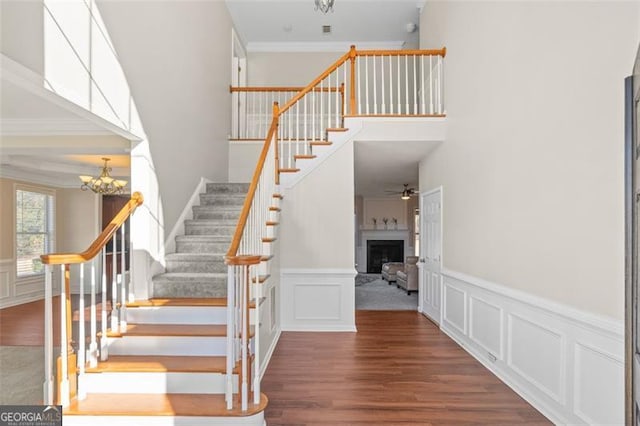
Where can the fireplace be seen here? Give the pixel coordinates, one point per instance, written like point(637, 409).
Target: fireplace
point(383, 251)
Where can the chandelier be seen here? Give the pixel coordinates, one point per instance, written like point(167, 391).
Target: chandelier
point(104, 184)
point(324, 5)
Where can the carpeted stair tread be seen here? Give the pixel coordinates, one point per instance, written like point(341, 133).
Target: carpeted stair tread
point(190, 276)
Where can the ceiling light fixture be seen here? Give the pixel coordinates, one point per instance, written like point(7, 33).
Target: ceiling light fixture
point(406, 194)
point(104, 184)
point(324, 6)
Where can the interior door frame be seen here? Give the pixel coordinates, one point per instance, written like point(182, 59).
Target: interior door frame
point(632, 198)
point(423, 245)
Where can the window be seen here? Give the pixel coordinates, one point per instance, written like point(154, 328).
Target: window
point(34, 230)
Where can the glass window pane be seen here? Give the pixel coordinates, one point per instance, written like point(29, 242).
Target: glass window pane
point(32, 231)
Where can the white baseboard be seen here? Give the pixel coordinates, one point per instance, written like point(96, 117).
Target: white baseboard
point(567, 363)
point(269, 354)
point(187, 213)
point(317, 300)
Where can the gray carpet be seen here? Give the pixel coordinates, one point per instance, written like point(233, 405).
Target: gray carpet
point(373, 293)
point(21, 375)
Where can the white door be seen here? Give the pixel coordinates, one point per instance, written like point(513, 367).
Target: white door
point(431, 253)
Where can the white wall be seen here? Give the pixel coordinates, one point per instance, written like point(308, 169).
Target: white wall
point(317, 242)
point(22, 33)
point(532, 172)
point(176, 56)
point(287, 68)
point(533, 163)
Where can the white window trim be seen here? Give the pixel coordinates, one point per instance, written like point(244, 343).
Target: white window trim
point(41, 190)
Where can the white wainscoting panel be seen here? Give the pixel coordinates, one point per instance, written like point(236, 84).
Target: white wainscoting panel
point(455, 308)
point(6, 266)
point(16, 292)
point(565, 362)
point(318, 300)
point(597, 372)
point(486, 326)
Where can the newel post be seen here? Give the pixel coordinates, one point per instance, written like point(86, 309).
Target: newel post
point(276, 118)
point(352, 88)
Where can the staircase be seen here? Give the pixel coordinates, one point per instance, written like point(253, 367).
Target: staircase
point(169, 366)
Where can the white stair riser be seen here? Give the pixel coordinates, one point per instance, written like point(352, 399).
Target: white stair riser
point(255, 420)
point(168, 345)
point(155, 382)
point(267, 248)
point(178, 315)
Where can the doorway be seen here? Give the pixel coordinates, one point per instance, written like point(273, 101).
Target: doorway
point(431, 254)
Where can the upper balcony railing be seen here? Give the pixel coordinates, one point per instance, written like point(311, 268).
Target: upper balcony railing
point(362, 83)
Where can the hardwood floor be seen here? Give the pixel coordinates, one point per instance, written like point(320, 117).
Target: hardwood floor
point(397, 369)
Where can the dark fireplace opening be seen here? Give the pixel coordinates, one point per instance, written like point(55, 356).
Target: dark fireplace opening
point(383, 251)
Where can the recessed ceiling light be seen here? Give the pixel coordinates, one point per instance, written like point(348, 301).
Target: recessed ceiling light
point(326, 29)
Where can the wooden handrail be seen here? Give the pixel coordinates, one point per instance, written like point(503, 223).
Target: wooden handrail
point(246, 207)
point(105, 236)
point(430, 52)
point(278, 89)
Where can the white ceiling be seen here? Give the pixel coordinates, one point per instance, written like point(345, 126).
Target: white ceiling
point(272, 24)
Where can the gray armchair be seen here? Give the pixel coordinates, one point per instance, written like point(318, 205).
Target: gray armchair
point(408, 278)
point(390, 269)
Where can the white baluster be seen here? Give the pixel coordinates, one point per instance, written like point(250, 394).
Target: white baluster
point(390, 85)
point(103, 338)
point(345, 93)
point(399, 91)
point(256, 354)
point(375, 86)
point(430, 84)
point(114, 285)
point(64, 370)
point(298, 128)
point(306, 125)
point(81, 338)
point(230, 336)
point(441, 74)
point(358, 73)
point(383, 108)
point(93, 345)
point(290, 151)
point(48, 336)
point(321, 118)
point(415, 86)
point(366, 84)
point(337, 96)
point(245, 341)
point(422, 84)
point(406, 84)
point(123, 281)
point(313, 114)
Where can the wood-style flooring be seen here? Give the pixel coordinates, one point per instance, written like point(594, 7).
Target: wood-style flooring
point(398, 369)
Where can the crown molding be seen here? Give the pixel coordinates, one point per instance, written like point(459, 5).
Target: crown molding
point(333, 46)
point(51, 127)
point(38, 178)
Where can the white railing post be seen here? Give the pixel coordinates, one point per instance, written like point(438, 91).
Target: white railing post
point(114, 283)
point(256, 354)
point(103, 309)
point(81, 338)
point(48, 335)
point(245, 339)
point(230, 336)
point(123, 281)
point(63, 397)
point(93, 345)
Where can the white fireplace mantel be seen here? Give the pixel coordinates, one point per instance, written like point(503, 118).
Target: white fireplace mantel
point(379, 234)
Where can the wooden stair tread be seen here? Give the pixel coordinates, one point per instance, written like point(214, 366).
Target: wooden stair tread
point(176, 404)
point(210, 301)
point(181, 330)
point(279, 196)
point(304, 157)
point(337, 129)
point(321, 143)
point(266, 258)
point(272, 223)
point(147, 363)
point(261, 279)
point(274, 209)
point(268, 239)
point(289, 170)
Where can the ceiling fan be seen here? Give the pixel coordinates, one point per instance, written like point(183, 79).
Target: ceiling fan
point(406, 193)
